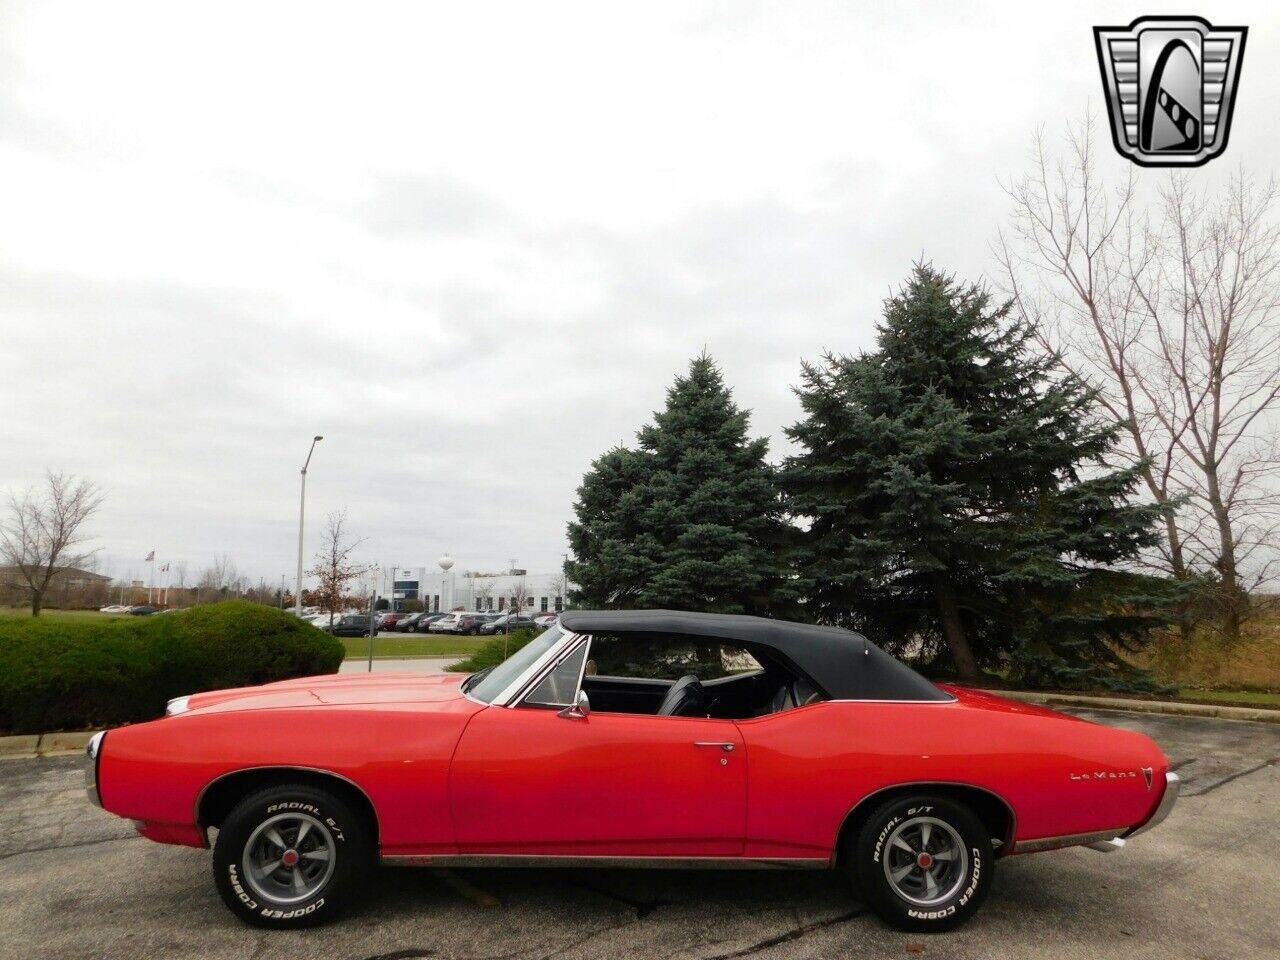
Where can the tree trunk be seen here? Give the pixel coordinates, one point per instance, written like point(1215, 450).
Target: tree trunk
point(37, 601)
point(953, 630)
point(1177, 566)
point(1226, 564)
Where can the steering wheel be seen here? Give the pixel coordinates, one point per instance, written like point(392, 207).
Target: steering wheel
point(685, 698)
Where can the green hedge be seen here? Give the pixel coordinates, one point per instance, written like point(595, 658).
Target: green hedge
point(493, 651)
point(64, 674)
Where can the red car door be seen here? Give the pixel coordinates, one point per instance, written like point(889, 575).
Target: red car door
point(528, 781)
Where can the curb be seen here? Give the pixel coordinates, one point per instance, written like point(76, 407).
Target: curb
point(59, 744)
point(1170, 707)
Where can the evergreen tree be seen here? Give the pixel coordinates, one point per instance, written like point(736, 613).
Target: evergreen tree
point(689, 521)
point(959, 497)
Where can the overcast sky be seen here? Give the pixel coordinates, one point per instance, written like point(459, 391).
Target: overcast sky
point(471, 245)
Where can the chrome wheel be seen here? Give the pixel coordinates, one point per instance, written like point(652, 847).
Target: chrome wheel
point(289, 857)
point(925, 861)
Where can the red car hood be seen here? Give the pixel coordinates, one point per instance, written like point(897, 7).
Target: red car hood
point(333, 689)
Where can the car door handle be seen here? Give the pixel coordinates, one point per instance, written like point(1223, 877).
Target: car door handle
point(726, 747)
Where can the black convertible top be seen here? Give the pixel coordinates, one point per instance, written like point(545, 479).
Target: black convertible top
point(846, 665)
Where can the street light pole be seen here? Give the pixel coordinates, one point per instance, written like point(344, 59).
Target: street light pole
point(302, 512)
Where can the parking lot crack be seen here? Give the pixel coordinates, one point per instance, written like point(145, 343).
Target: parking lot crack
point(1235, 776)
point(642, 908)
point(560, 951)
point(787, 937)
point(66, 846)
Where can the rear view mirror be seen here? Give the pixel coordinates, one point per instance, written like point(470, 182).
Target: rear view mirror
point(580, 710)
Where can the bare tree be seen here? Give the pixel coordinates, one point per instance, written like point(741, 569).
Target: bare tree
point(180, 576)
point(43, 534)
point(483, 592)
point(334, 567)
point(1171, 307)
point(518, 595)
point(560, 588)
point(220, 578)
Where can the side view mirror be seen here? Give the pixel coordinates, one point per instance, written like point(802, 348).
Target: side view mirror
point(579, 710)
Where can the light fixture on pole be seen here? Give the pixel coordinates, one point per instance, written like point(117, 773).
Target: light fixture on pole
point(302, 511)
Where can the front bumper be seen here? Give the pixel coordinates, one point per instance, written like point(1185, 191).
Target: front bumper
point(92, 753)
point(1172, 787)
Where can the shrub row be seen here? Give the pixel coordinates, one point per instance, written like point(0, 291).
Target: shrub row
point(58, 674)
point(493, 651)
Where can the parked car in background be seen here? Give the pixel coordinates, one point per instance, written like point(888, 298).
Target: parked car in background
point(424, 625)
point(114, 608)
point(351, 625)
point(445, 624)
point(461, 622)
point(389, 620)
point(632, 738)
point(545, 620)
point(408, 622)
point(506, 623)
point(142, 611)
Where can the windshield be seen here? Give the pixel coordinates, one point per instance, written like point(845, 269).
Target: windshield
point(487, 685)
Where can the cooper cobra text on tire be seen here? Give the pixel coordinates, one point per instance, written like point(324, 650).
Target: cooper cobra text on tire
point(290, 856)
point(924, 862)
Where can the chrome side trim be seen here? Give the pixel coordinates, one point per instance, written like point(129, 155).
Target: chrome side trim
point(1040, 844)
point(652, 863)
point(92, 752)
point(1172, 787)
point(282, 766)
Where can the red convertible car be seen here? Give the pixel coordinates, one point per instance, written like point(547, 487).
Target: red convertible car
point(637, 739)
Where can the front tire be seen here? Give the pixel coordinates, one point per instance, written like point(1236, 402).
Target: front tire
point(291, 856)
point(924, 863)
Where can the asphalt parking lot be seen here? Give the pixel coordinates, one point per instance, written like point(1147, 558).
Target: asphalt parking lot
point(75, 882)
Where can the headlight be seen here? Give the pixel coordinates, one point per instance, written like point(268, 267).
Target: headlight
point(177, 705)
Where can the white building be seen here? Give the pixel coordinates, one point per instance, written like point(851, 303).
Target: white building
point(444, 588)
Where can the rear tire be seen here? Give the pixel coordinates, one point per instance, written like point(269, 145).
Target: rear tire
point(924, 863)
point(291, 856)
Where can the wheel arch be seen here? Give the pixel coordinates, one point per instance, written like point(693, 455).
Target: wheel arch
point(995, 812)
point(222, 793)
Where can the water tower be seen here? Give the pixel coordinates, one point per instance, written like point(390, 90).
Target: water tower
point(446, 582)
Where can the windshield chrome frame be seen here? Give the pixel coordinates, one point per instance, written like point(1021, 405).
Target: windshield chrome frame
point(566, 651)
point(511, 692)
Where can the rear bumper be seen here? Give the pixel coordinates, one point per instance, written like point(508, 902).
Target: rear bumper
point(91, 753)
point(1172, 787)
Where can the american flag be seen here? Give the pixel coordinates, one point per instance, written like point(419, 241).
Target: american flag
point(151, 556)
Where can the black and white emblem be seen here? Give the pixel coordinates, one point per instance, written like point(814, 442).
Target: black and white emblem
point(1170, 84)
